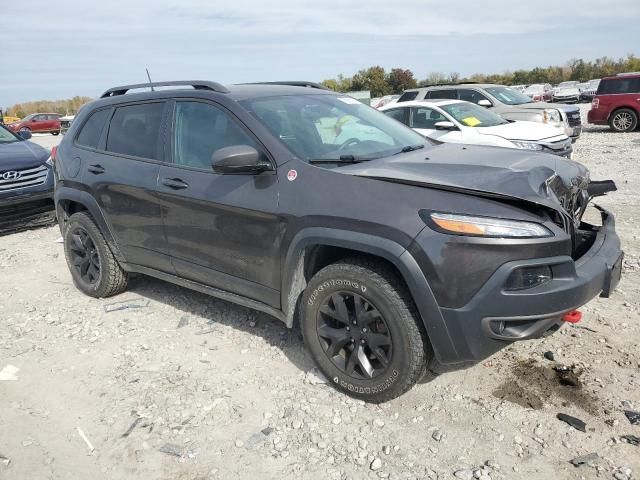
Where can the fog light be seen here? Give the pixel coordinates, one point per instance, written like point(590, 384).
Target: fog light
point(528, 277)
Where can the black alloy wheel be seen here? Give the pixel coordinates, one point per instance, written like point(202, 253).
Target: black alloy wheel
point(354, 335)
point(84, 256)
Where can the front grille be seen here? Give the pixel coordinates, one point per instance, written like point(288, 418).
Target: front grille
point(30, 177)
point(574, 119)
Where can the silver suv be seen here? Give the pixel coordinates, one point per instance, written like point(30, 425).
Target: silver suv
point(506, 102)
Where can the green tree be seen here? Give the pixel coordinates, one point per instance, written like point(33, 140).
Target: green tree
point(373, 79)
point(401, 79)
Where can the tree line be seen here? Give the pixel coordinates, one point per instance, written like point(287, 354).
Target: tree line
point(380, 82)
point(69, 106)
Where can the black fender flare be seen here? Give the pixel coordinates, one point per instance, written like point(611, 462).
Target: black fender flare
point(431, 316)
point(84, 198)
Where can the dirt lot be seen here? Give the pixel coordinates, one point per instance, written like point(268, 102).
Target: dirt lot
point(189, 387)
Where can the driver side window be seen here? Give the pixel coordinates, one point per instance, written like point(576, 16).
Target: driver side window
point(426, 118)
point(200, 129)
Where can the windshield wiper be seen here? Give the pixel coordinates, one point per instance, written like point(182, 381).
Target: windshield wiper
point(342, 159)
point(410, 148)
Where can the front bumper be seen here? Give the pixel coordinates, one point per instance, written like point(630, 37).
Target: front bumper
point(495, 318)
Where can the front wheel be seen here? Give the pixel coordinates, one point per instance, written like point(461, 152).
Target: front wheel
point(94, 269)
point(363, 331)
point(55, 133)
point(623, 120)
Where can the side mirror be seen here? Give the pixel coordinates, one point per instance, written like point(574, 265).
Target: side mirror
point(239, 159)
point(485, 103)
point(445, 126)
point(24, 134)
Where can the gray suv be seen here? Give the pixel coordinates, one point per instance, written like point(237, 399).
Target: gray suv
point(506, 102)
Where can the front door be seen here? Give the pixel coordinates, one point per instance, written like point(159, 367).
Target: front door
point(424, 119)
point(222, 230)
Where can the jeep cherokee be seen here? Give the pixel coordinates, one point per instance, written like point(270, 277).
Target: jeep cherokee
point(389, 252)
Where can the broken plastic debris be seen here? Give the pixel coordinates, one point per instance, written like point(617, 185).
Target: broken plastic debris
point(171, 449)
point(114, 307)
point(5, 460)
point(631, 439)
point(8, 373)
point(584, 460)
point(258, 437)
point(634, 417)
point(60, 240)
point(131, 427)
point(315, 377)
point(573, 421)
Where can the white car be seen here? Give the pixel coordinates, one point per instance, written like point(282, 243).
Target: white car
point(456, 121)
point(567, 92)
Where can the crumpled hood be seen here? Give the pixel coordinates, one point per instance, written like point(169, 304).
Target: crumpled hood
point(522, 130)
point(20, 155)
point(486, 171)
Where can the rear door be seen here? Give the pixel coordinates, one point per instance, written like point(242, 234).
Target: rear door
point(122, 172)
point(223, 230)
point(400, 114)
point(38, 123)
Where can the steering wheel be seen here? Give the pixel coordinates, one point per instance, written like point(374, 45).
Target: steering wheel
point(348, 143)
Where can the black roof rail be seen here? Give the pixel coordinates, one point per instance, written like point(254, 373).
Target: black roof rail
point(446, 84)
point(196, 84)
point(293, 83)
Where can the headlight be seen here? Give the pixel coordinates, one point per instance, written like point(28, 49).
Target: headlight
point(551, 116)
point(488, 227)
point(527, 145)
point(49, 161)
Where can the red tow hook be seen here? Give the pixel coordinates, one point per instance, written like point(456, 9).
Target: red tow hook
point(574, 316)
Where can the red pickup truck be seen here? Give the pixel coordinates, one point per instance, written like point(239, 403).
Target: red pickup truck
point(38, 123)
point(617, 102)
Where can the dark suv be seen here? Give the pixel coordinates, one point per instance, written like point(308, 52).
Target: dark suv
point(617, 102)
point(388, 251)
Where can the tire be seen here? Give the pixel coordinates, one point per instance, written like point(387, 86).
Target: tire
point(25, 129)
point(87, 251)
point(623, 120)
point(394, 330)
point(55, 133)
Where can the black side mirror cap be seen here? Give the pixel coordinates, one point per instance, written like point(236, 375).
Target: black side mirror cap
point(239, 159)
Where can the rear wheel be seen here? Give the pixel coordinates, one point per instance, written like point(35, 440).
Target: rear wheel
point(94, 269)
point(623, 120)
point(362, 329)
point(57, 132)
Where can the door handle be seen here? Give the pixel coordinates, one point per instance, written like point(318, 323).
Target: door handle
point(96, 169)
point(175, 183)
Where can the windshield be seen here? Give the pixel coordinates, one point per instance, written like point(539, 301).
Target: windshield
point(327, 127)
point(6, 136)
point(471, 115)
point(28, 117)
point(537, 88)
point(593, 84)
point(567, 84)
point(508, 96)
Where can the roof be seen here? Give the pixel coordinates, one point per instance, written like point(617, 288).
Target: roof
point(421, 103)
point(455, 85)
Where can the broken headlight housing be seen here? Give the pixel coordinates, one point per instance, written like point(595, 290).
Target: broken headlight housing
point(488, 226)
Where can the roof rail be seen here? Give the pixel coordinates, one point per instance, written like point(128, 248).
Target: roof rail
point(444, 85)
point(196, 84)
point(293, 83)
point(627, 73)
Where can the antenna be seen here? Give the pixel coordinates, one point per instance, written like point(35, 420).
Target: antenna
point(149, 77)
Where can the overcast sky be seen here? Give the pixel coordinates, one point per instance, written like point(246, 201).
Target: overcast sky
point(57, 49)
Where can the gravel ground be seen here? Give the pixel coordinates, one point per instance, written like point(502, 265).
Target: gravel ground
point(188, 387)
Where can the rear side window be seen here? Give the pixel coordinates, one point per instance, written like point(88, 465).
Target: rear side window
point(449, 94)
point(397, 114)
point(408, 96)
point(135, 130)
point(614, 86)
point(91, 131)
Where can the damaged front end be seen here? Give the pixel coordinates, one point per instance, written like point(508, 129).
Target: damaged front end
point(574, 196)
